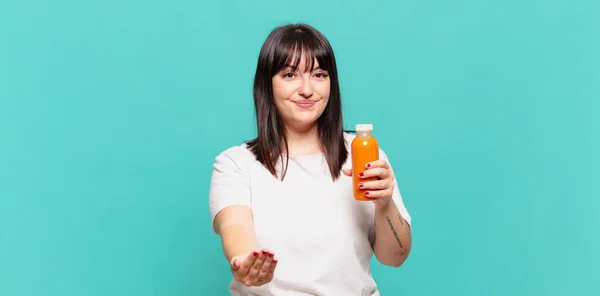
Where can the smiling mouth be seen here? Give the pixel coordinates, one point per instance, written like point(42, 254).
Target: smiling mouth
point(305, 104)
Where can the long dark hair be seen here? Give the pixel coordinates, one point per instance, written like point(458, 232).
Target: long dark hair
point(282, 45)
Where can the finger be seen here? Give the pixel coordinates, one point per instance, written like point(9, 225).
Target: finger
point(247, 264)
point(375, 172)
point(387, 193)
point(269, 276)
point(374, 185)
point(380, 163)
point(265, 268)
point(347, 172)
point(253, 273)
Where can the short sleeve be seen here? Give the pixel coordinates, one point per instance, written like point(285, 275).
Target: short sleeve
point(229, 184)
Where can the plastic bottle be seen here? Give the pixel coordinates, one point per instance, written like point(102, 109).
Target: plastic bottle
point(364, 149)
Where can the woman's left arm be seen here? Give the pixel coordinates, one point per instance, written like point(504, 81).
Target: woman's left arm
point(392, 239)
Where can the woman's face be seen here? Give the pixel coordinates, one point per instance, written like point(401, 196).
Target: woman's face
point(301, 96)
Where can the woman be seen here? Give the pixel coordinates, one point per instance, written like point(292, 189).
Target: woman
point(283, 203)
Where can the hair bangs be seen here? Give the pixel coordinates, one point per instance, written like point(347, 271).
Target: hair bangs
point(302, 47)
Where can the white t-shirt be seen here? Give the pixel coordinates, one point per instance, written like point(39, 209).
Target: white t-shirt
point(319, 233)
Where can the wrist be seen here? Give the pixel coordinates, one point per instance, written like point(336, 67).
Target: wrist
point(384, 206)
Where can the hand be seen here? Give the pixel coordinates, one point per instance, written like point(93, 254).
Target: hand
point(255, 268)
point(382, 189)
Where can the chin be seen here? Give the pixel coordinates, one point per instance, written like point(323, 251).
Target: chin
point(307, 119)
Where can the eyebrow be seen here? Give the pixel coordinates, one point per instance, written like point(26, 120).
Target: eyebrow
point(295, 68)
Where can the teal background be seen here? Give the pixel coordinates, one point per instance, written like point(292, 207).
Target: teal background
point(111, 114)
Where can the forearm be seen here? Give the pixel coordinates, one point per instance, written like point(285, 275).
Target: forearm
point(237, 240)
point(393, 239)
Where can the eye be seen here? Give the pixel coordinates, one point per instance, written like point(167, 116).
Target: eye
point(322, 75)
point(288, 75)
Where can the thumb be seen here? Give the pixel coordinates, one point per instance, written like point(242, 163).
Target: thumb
point(347, 172)
point(235, 264)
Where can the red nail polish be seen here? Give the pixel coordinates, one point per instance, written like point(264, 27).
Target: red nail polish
point(368, 165)
point(367, 193)
point(255, 253)
point(361, 174)
point(360, 185)
point(270, 255)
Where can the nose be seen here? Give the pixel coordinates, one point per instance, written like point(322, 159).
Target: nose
point(306, 88)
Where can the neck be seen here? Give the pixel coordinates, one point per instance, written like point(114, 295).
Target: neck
point(303, 142)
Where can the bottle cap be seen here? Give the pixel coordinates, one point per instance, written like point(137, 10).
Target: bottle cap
point(364, 127)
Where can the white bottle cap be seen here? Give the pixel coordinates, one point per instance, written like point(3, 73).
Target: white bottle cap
point(364, 127)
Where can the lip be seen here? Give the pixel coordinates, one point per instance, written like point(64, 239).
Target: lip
point(305, 104)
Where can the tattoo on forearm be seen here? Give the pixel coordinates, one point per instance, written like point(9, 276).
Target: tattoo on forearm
point(402, 250)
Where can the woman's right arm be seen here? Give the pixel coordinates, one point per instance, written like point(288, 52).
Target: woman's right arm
point(249, 265)
point(236, 227)
point(230, 205)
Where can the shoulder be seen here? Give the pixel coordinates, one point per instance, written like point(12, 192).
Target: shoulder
point(239, 156)
point(348, 137)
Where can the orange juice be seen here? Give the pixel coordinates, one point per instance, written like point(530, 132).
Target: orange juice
point(364, 149)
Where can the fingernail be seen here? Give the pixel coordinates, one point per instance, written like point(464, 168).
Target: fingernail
point(270, 255)
point(367, 193)
point(255, 253)
point(264, 252)
point(361, 174)
point(360, 185)
point(275, 259)
point(368, 165)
